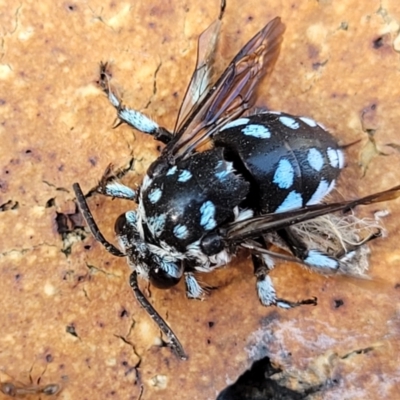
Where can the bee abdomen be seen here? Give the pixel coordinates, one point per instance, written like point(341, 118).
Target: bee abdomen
point(290, 161)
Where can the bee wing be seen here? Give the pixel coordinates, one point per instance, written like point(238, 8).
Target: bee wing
point(233, 93)
point(256, 226)
point(203, 74)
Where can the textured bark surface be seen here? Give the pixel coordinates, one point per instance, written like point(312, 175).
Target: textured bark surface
point(67, 308)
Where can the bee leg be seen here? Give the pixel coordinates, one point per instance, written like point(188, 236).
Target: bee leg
point(193, 288)
point(109, 185)
point(263, 264)
point(321, 262)
point(316, 259)
point(131, 117)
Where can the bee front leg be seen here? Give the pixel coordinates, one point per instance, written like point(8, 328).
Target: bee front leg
point(193, 288)
point(110, 185)
point(131, 117)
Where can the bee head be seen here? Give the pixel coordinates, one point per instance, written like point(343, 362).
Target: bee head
point(150, 261)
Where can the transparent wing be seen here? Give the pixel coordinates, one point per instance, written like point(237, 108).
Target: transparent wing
point(254, 227)
point(233, 93)
point(203, 74)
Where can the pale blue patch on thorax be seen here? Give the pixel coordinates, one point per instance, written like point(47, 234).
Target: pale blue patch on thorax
point(184, 176)
point(223, 169)
point(156, 224)
point(181, 231)
point(207, 211)
point(222, 174)
point(172, 170)
point(155, 195)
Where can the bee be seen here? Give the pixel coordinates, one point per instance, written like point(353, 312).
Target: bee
point(232, 176)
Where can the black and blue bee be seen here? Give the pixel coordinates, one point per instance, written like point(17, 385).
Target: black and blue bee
point(230, 177)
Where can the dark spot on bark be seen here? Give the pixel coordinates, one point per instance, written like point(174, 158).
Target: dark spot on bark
point(124, 313)
point(338, 303)
point(71, 330)
point(9, 205)
point(378, 42)
point(50, 203)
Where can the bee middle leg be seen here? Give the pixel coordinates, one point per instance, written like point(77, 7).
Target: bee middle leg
point(110, 185)
point(263, 264)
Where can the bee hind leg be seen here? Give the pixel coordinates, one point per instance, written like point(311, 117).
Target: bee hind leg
point(316, 259)
point(341, 262)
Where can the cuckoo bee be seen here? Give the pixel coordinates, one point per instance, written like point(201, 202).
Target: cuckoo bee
point(232, 176)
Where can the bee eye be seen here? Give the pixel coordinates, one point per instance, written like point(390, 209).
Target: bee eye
point(120, 224)
point(166, 276)
point(212, 244)
point(125, 223)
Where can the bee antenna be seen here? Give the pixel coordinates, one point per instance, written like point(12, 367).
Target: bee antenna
point(87, 215)
point(175, 344)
